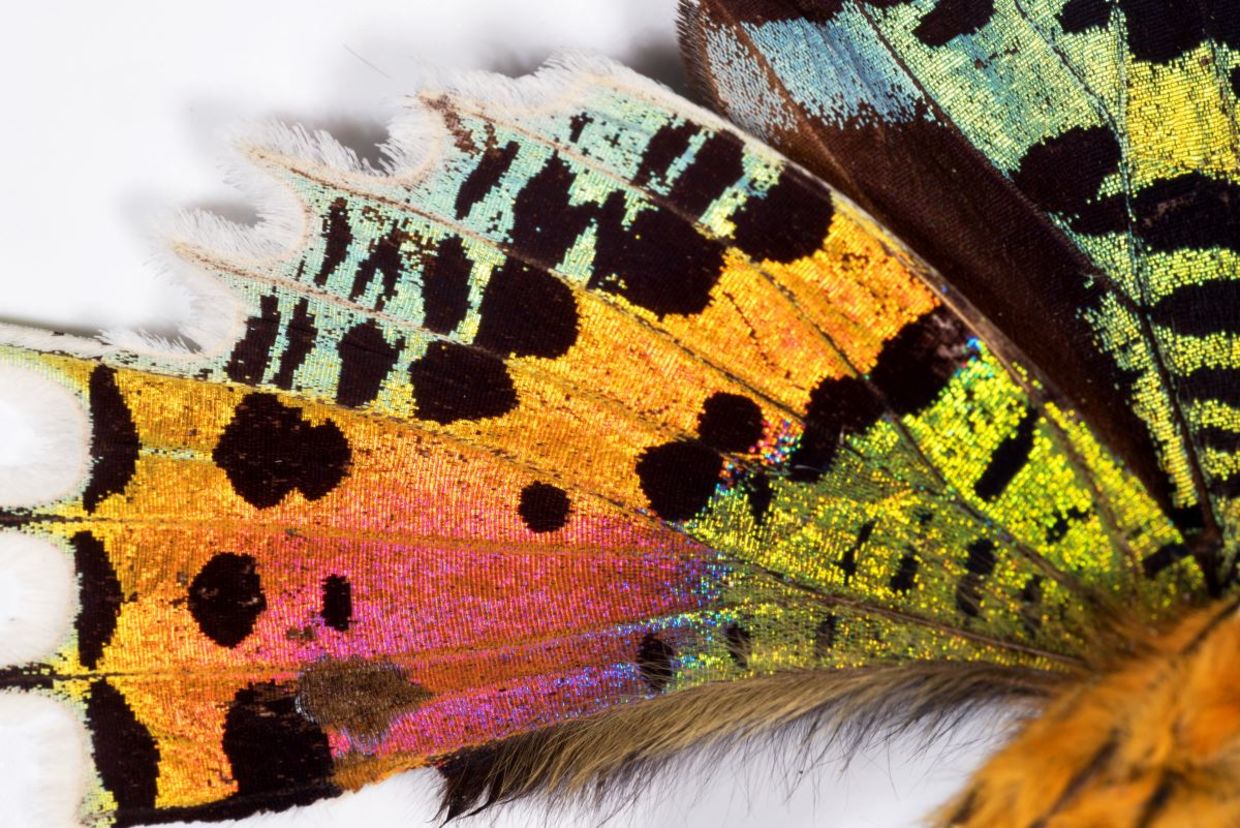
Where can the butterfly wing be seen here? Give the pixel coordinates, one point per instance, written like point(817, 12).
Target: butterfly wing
point(1096, 141)
point(587, 410)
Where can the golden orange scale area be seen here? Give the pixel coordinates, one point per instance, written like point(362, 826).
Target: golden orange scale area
point(448, 582)
point(789, 326)
point(1153, 742)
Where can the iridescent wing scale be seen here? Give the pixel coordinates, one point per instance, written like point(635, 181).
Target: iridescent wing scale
point(585, 399)
point(1096, 139)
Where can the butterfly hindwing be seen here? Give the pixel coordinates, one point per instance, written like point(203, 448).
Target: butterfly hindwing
point(586, 399)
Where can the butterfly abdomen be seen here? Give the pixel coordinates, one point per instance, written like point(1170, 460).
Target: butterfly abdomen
point(1153, 741)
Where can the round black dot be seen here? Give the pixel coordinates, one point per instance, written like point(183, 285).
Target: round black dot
point(730, 422)
point(543, 507)
point(679, 479)
point(226, 598)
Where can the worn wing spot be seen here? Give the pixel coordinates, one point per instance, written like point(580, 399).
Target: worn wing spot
point(361, 697)
point(739, 642)
point(979, 565)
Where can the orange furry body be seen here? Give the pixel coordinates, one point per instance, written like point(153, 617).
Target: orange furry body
point(1153, 742)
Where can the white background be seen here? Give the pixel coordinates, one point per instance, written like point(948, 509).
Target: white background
point(115, 114)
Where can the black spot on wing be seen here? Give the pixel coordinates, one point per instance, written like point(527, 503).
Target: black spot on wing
point(269, 449)
point(848, 561)
point(654, 662)
point(951, 19)
point(250, 356)
point(730, 422)
point(301, 334)
point(275, 750)
point(1082, 15)
point(824, 636)
point(916, 364)
point(760, 494)
point(788, 222)
point(546, 223)
point(337, 236)
point(1008, 458)
point(905, 576)
point(1202, 309)
point(454, 382)
point(1191, 211)
point(337, 607)
point(114, 442)
point(669, 143)
point(658, 261)
point(445, 286)
point(385, 260)
point(1221, 439)
point(1031, 605)
point(1058, 530)
point(366, 359)
point(1164, 30)
point(577, 125)
point(1062, 174)
point(838, 406)
point(679, 478)
point(526, 311)
point(716, 166)
point(1226, 487)
point(739, 642)
point(1159, 31)
point(226, 598)
point(126, 757)
point(1235, 81)
point(1209, 383)
point(495, 163)
point(979, 565)
point(1163, 557)
point(661, 262)
point(100, 597)
point(543, 507)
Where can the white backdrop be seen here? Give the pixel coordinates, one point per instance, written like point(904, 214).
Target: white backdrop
point(117, 113)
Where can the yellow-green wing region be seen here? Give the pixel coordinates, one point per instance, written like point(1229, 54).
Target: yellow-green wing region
point(585, 398)
point(1069, 165)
